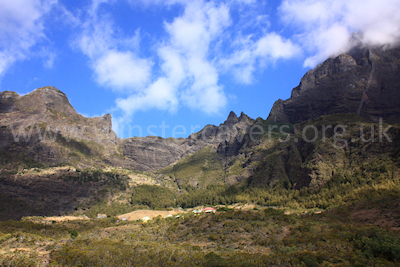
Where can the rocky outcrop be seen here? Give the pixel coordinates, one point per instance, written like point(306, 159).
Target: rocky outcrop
point(50, 106)
point(364, 81)
point(42, 126)
point(236, 137)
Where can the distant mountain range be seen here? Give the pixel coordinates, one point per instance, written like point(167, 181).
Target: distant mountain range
point(49, 130)
point(357, 90)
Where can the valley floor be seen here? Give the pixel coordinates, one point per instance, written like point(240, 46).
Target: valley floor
point(233, 236)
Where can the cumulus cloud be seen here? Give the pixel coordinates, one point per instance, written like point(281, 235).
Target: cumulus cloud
point(192, 37)
point(21, 28)
point(121, 70)
point(113, 57)
point(189, 75)
point(328, 28)
point(160, 95)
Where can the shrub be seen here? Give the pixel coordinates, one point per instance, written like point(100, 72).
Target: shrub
point(378, 242)
point(74, 233)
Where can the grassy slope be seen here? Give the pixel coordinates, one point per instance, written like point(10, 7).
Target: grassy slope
point(201, 169)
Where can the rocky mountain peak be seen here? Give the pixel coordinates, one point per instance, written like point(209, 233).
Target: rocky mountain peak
point(49, 97)
point(232, 119)
point(244, 118)
point(44, 118)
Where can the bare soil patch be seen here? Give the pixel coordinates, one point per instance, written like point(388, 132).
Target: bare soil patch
point(140, 214)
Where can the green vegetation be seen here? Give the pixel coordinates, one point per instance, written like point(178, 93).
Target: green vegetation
point(271, 129)
point(152, 196)
point(336, 193)
point(74, 233)
point(113, 180)
point(202, 168)
point(110, 209)
point(264, 237)
point(212, 195)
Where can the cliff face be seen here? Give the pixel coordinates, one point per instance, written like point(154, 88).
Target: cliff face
point(363, 81)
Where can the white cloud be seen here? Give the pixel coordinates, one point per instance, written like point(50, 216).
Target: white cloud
point(326, 28)
point(274, 46)
point(159, 95)
point(192, 57)
point(21, 28)
point(251, 54)
point(113, 57)
point(188, 73)
point(6, 59)
point(192, 37)
point(330, 42)
point(122, 70)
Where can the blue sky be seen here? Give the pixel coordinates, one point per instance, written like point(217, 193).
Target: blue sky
point(183, 64)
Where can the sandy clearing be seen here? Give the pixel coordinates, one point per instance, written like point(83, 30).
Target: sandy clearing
point(140, 214)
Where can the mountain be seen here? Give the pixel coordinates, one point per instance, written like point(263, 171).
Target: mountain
point(53, 159)
point(333, 130)
point(315, 183)
point(341, 102)
point(45, 128)
point(363, 81)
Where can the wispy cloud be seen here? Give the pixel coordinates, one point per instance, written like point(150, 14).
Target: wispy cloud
point(328, 28)
point(21, 28)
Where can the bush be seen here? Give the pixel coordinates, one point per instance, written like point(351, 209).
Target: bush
point(74, 233)
point(378, 242)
